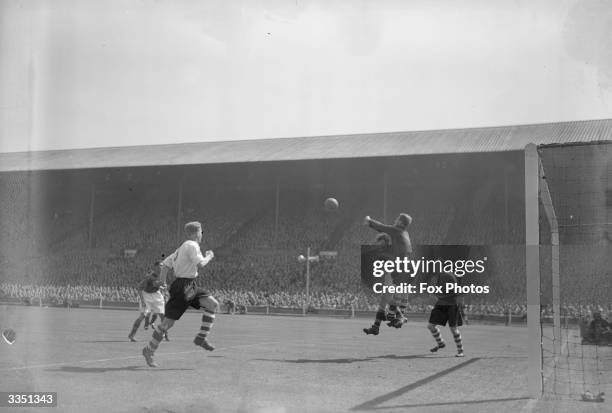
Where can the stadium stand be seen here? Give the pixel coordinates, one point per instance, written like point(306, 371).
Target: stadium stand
point(257, 249)
point(65, 233)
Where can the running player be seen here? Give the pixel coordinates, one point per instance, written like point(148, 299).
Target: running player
point(448, 308)
point(400, 247)
point(151, 298)
point(185, 261)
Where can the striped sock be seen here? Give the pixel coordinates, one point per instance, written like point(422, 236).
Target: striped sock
point(458, 342)
point(156, 339)
point(208, 318)
point(435, 332)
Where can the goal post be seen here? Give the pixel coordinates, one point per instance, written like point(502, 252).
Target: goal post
point(538, 200)
point(532, 268)
point(553, 245)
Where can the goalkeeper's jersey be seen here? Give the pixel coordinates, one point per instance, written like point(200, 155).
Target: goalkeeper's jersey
point(400, 240)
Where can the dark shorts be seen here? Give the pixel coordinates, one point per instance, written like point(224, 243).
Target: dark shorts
point(184, 293)
point(443, 313)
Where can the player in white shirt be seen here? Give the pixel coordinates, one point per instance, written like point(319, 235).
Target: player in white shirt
point(185, 261)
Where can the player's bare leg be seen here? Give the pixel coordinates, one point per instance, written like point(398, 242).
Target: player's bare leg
point(210, 306)
point(152, 322)
point(162, 318)
point(435, 332)
point(135, 327)
point(458, 342)
point(158, 334)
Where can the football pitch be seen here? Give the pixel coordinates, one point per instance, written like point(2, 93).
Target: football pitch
point(272, 364)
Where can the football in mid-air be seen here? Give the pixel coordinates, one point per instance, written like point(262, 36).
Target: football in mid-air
point(331, 204)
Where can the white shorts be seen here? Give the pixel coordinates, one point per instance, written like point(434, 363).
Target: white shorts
point(154, 302)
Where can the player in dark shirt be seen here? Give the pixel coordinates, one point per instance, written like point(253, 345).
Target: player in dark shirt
point(150, 284)
point(151, 298)
point(399, 246)
point(448, 309)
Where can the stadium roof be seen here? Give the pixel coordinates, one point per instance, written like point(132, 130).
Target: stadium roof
point(488, 139)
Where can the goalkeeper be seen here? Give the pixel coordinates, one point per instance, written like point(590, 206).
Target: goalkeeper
point(400, 246)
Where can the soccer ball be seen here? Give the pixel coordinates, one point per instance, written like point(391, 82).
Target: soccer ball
point(331, 204)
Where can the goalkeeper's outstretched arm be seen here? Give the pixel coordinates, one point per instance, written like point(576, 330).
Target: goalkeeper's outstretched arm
point(378, 226)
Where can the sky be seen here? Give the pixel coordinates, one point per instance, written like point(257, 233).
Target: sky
point(89, 73)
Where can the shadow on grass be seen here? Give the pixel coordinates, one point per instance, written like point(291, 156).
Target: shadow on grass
point(451, 403)
point(76, 369)
point(348, 360)
point(375, 403)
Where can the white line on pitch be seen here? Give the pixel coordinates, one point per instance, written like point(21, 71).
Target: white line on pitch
point(38, 366)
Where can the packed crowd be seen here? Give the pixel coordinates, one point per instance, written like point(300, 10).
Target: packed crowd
point(259, 264)
point(282, 299)
point(68, 292)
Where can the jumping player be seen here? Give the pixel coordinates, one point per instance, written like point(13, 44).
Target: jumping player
point(448, 308)
point(185, 261)
point(400, 247)
point(151, 298)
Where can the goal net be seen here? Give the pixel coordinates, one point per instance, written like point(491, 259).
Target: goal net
point(569, 271)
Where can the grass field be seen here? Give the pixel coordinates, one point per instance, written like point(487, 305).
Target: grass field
point(273, 364)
